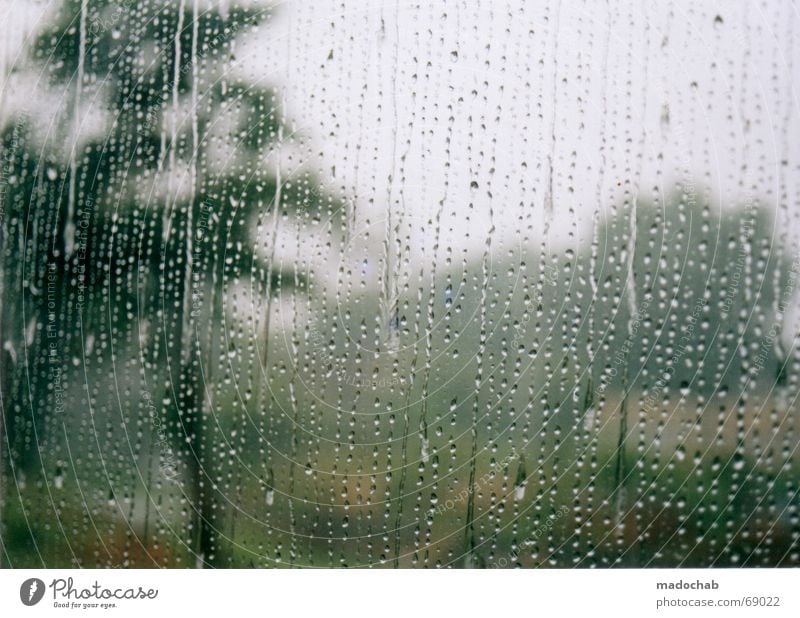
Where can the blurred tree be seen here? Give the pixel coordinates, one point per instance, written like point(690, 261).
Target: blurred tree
point(684, 254)
point(127, 209)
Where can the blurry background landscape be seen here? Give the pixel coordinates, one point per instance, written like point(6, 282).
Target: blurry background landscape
point(467, 284)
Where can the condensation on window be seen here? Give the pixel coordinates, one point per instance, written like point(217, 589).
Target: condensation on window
point(446, 284)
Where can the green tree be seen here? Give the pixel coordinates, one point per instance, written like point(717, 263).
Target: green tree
point(141, 219)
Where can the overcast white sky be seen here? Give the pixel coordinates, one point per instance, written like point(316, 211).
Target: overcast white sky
point(439, 95)
point(497, 109)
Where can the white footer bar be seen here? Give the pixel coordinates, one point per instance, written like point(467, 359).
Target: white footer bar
point(383, 593)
